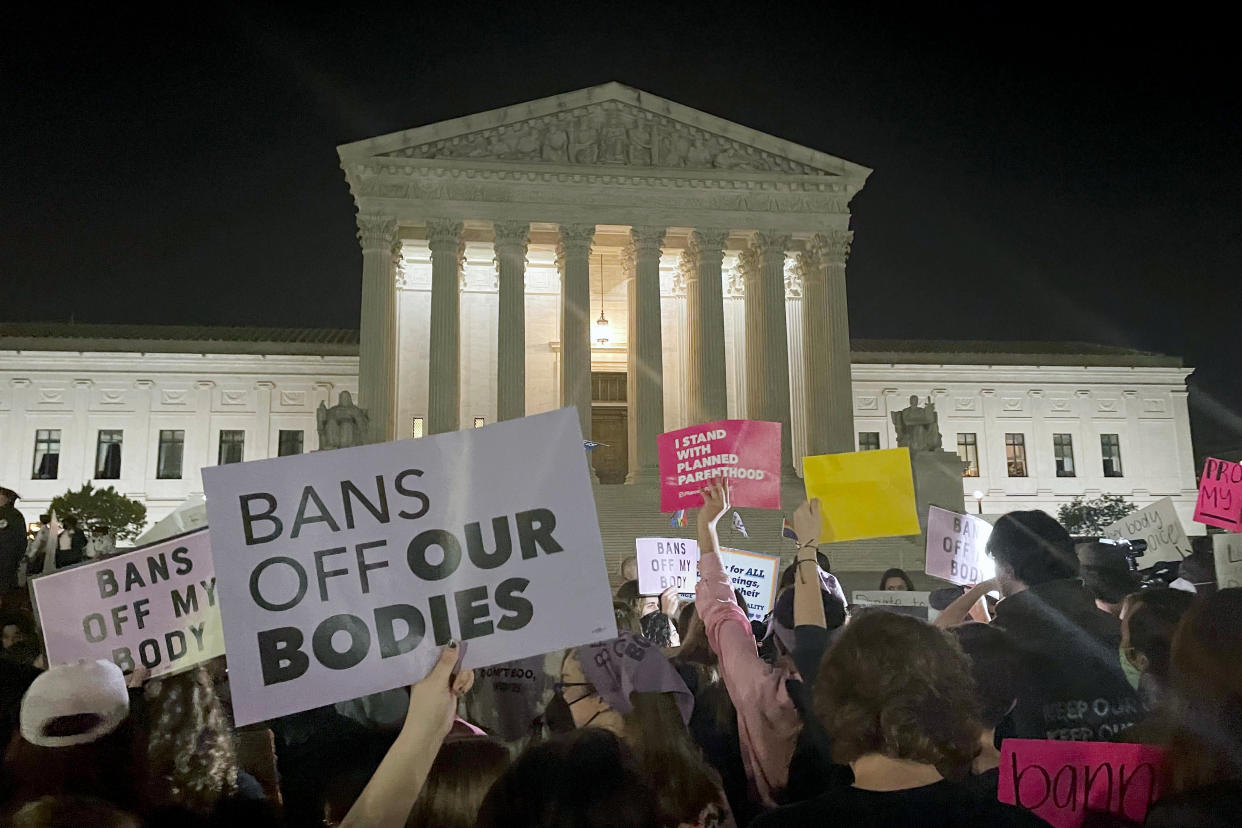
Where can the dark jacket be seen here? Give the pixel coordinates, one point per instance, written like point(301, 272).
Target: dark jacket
point(76, 551)
point(12, 546)
point(1073, 687)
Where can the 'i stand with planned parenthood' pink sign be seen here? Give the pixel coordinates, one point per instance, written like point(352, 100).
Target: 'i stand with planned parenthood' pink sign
point(748, 452)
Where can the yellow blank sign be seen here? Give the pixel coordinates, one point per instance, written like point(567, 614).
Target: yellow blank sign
point(863, 494)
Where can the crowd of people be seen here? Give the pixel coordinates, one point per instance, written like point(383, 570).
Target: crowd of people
point(693, 716)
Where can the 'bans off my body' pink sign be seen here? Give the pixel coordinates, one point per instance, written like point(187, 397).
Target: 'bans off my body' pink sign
point(748, 452)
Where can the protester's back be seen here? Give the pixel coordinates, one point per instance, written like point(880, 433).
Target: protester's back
point(1074, 686)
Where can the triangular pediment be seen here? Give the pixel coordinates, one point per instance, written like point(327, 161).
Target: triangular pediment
point(605, 126)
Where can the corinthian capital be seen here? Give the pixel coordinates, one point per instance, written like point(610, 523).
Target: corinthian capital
point(809, 263)
point(772, 245)
point(444, 236)
point(708, 244)
point(575, 241)
point(511, 238)
point(376, 232)
point(835, 245)
point(647, 240)
point(748, 264)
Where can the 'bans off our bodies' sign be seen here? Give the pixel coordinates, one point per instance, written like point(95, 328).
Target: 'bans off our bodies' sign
point(748, 452)
point(155, 607)
point(342, 573)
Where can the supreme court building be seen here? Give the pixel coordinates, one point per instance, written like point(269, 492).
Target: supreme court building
point(607, 249)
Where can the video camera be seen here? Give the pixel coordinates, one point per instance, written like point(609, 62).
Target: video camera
point(1099, 555)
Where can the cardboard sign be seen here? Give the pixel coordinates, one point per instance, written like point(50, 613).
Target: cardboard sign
point(956, 547)
point(154, 606)
point(1220, 495)
point(863, 494)
point(344, 572)
point(1061, 781)
point(1228, 552)
point(902, 602)
point(1159, 525)
point(665, 562)
point(748, 452)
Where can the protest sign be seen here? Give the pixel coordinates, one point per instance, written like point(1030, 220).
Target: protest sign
point(756, 576)
point(1061, 781)
point(666, 562)
point(154, 606)
point(1159, 525)
point(956, 547)
point(1220, 495)
point(863, 494)
point(343, 573)
point(748, 452)
point(902, 602)
point(1228, 551)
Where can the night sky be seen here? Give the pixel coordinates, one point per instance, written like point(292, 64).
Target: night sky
point(1039, 174)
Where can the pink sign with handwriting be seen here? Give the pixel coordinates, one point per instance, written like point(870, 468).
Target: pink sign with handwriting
point(748, 452)
point(1220, 495)
point(1061, 782)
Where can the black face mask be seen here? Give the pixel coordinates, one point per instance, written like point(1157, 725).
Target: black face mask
point(557, 715)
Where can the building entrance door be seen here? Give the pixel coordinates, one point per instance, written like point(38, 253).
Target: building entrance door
point(609, 427)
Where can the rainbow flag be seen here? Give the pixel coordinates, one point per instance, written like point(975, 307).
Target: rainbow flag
point(787, 529)
point(678, 520)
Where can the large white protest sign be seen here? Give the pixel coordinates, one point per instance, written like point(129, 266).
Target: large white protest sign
point(1228, 551)
point(666, 562)
point(155, 606)
point(899, 601)
point(1159, 525)
point(956, 547)
point(342, 573)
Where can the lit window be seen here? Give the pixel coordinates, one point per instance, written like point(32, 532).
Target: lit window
point(479, 422)
point(1110, 447)
point(417, 430)
point(1063, 453)
point(1015, 454)
point(168, 458)
point(232, 447)
point(968, 450)
point(868, 441)
point(108, 454)
point(46, 454)
point(290, 443)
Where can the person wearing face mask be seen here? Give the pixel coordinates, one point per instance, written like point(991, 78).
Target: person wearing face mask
point(1148, 621)
point(626, 686)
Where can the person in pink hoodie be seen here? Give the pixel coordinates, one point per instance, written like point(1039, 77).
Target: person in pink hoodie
point(768, 721)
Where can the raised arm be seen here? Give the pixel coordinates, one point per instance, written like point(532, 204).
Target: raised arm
point(957, 612)
point(808, 605)
point(387, 799)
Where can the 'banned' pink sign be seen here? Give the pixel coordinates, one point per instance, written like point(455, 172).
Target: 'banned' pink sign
point(748, 452)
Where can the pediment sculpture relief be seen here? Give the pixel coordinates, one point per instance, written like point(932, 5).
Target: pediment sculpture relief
point(609, 133)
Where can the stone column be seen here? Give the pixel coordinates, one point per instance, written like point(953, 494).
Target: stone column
point(444, 373)
point(377, 352)
point(645, 355)
point(707, 395)
point(511, 240)
point(573, 255)
point(767, 338)
point(838, 420)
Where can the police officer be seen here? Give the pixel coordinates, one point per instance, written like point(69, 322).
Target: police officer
point(12, 539)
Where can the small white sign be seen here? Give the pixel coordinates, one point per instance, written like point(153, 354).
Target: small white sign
point(1159, 525)
point(342, 573)
point(155, 607)
point(667, 562)
point(956, 547)
point(899, 601)
point(1228, 551)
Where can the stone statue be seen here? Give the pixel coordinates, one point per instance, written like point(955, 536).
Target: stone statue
point(343, 425)
point(918, 427)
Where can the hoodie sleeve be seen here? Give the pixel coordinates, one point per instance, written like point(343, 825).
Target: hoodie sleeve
point(768, 722)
